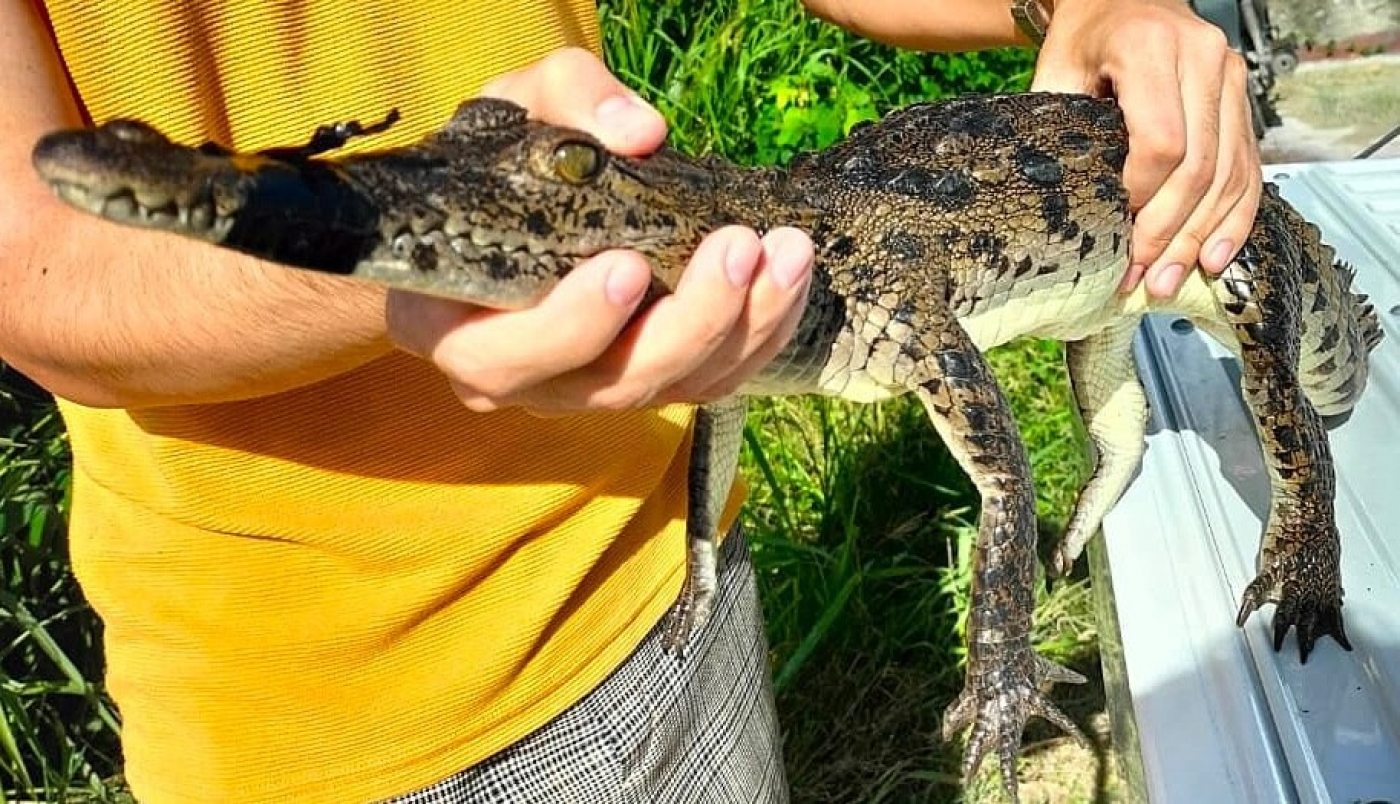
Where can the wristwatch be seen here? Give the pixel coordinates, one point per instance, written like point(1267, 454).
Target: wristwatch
point(1031, 18)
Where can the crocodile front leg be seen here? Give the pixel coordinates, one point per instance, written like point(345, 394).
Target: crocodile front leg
point(1300, 554)
point(1114, 409)
point(1004, 672)
point(714, 459)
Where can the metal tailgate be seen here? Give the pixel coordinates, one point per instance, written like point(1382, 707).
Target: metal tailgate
point(1221, 717)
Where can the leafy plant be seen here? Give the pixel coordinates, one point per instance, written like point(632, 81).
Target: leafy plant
point(58, 733)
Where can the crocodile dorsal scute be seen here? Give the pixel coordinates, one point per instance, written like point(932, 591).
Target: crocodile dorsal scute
point(479, 115)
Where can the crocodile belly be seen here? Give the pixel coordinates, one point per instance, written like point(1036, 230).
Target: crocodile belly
point(1067, 305)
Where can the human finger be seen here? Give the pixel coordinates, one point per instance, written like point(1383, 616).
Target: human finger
point(492, 356)
point(1240, 196)
point(673, 336)
point(776, 302)
point(572, 87)
point(1222, 220)
point(1169, 230)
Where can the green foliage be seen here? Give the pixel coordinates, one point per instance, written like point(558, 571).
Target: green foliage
point(759, 80)
point(58, 735)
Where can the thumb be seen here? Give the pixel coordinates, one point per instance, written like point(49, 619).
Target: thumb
point(572, 87)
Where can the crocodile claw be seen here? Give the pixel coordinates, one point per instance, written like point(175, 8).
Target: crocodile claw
point(998, 711)
point(697, 598)
point(1314, 615)
point(1062, 558)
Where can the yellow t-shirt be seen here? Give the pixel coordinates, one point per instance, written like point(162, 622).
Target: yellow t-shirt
point(356, 588)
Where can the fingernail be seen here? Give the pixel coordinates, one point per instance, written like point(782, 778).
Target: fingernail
point(1219, 255)
point(624, 111)
point(1164, 281)
point(1132, 277)
point(626, 282)
point(739, 264)
point(790, 262)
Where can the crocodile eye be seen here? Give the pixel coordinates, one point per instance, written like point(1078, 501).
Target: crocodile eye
point(576, 162)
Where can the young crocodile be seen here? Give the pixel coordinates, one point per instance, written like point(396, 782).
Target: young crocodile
point(942, 230)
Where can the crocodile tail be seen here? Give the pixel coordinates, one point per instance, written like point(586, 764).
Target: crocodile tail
point(1340, 328)
point(1366, 317)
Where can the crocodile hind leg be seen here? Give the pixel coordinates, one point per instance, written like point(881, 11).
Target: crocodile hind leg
point(714, 459)
point(1004, 673)
point(1300, 555)
point(1114, 409)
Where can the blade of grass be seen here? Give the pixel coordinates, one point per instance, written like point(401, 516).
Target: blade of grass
point(50, 647)
point(765, 468)
point(15, 718)
point(815, 636)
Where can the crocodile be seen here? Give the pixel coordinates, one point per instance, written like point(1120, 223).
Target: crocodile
point(942, 230)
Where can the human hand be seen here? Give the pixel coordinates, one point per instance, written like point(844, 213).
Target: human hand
point(1192, 172)
point(582, 348)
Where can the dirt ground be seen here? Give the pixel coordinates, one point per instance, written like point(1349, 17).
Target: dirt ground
point(1334, 108)
point(1323, 20)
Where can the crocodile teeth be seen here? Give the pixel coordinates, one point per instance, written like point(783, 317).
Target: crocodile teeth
point(78, 197)
point(159, 217)
point(509, 242)
point(473, 245)
point(200, 217)
point(218, 231)
point(123, 207)
point(151, 201)
point(119, 207)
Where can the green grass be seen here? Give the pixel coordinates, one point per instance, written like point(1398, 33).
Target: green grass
point(759, 80)
point(862, 529)
point(861, 523)
point(58, 733)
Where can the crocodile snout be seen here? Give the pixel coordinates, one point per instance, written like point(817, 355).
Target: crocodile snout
point(110, 171)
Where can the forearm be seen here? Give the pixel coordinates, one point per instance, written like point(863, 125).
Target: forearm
point(111, 317)
point(118, 317)
point(925, 24)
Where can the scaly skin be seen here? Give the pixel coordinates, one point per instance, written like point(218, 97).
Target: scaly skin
point(942, 230)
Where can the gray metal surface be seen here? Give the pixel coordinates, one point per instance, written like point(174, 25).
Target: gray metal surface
point(1220, 716)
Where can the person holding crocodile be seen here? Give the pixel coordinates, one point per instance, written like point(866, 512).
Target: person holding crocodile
point(326, 572)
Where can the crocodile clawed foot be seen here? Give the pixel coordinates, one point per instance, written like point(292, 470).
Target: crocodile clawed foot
point(1314, 614)
point(1069, 547)
point(1062, 559)
point(697, 597)
point(998, 713)
point(1313, 620)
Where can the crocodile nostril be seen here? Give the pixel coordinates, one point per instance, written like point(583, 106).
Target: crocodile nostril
point(134, 131)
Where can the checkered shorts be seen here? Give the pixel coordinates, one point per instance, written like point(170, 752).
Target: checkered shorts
point(661, 729)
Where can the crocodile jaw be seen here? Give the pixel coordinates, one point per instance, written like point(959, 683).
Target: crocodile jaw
point(123, 206)
point(130, 173)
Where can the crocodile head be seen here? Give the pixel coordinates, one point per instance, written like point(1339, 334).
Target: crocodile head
point(493, 208)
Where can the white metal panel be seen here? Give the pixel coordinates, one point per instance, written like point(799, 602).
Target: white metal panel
point(1220, 716)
